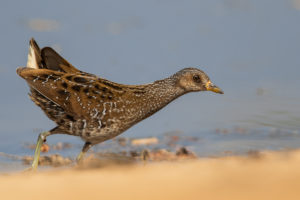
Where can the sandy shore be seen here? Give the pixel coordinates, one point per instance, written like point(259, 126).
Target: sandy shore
point(268, 175)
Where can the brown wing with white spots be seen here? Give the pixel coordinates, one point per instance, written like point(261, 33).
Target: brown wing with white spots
point(80, 95)
point(55, 86)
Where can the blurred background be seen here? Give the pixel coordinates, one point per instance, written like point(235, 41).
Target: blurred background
point(249, 48)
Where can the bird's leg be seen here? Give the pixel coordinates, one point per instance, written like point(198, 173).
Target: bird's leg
point(40, 141)
point(85, 148)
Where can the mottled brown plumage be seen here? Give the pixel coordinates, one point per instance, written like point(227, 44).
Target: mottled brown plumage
point(93, 108)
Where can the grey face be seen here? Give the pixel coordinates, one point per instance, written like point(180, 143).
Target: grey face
point(193, 79)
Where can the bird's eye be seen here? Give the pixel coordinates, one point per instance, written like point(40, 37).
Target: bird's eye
point(196, 78)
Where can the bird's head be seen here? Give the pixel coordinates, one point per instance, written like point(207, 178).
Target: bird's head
point(193, 80)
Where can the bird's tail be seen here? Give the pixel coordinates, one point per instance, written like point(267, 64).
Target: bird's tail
point(47, 58)
point(34, 59)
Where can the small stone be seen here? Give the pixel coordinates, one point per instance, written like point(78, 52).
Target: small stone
point(122, 141)
point(183, 152)
point(145, 141)
point(45, 148)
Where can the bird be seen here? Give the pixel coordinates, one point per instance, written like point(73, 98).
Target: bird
point(93, 108)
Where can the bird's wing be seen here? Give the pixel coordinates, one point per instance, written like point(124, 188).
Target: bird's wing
point(82, 95)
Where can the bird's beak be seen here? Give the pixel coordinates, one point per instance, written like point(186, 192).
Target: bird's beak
point(211, 87)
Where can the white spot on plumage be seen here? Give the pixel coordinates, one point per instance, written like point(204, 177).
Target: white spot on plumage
point(100, 124)
point(96, 113)
point(57, 79)
point(84, 123)
point(37, 78)
point(104, 110)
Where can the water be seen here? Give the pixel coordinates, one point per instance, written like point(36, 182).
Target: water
point(249, 48)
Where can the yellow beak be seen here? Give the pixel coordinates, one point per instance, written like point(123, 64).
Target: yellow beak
point(211, 87)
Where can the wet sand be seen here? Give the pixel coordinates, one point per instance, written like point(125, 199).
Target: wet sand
point(268, 175)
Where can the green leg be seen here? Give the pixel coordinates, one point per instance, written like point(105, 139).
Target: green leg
point(40, 141)
point(85, 148)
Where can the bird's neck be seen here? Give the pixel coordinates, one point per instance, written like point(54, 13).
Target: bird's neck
point(159, 94)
